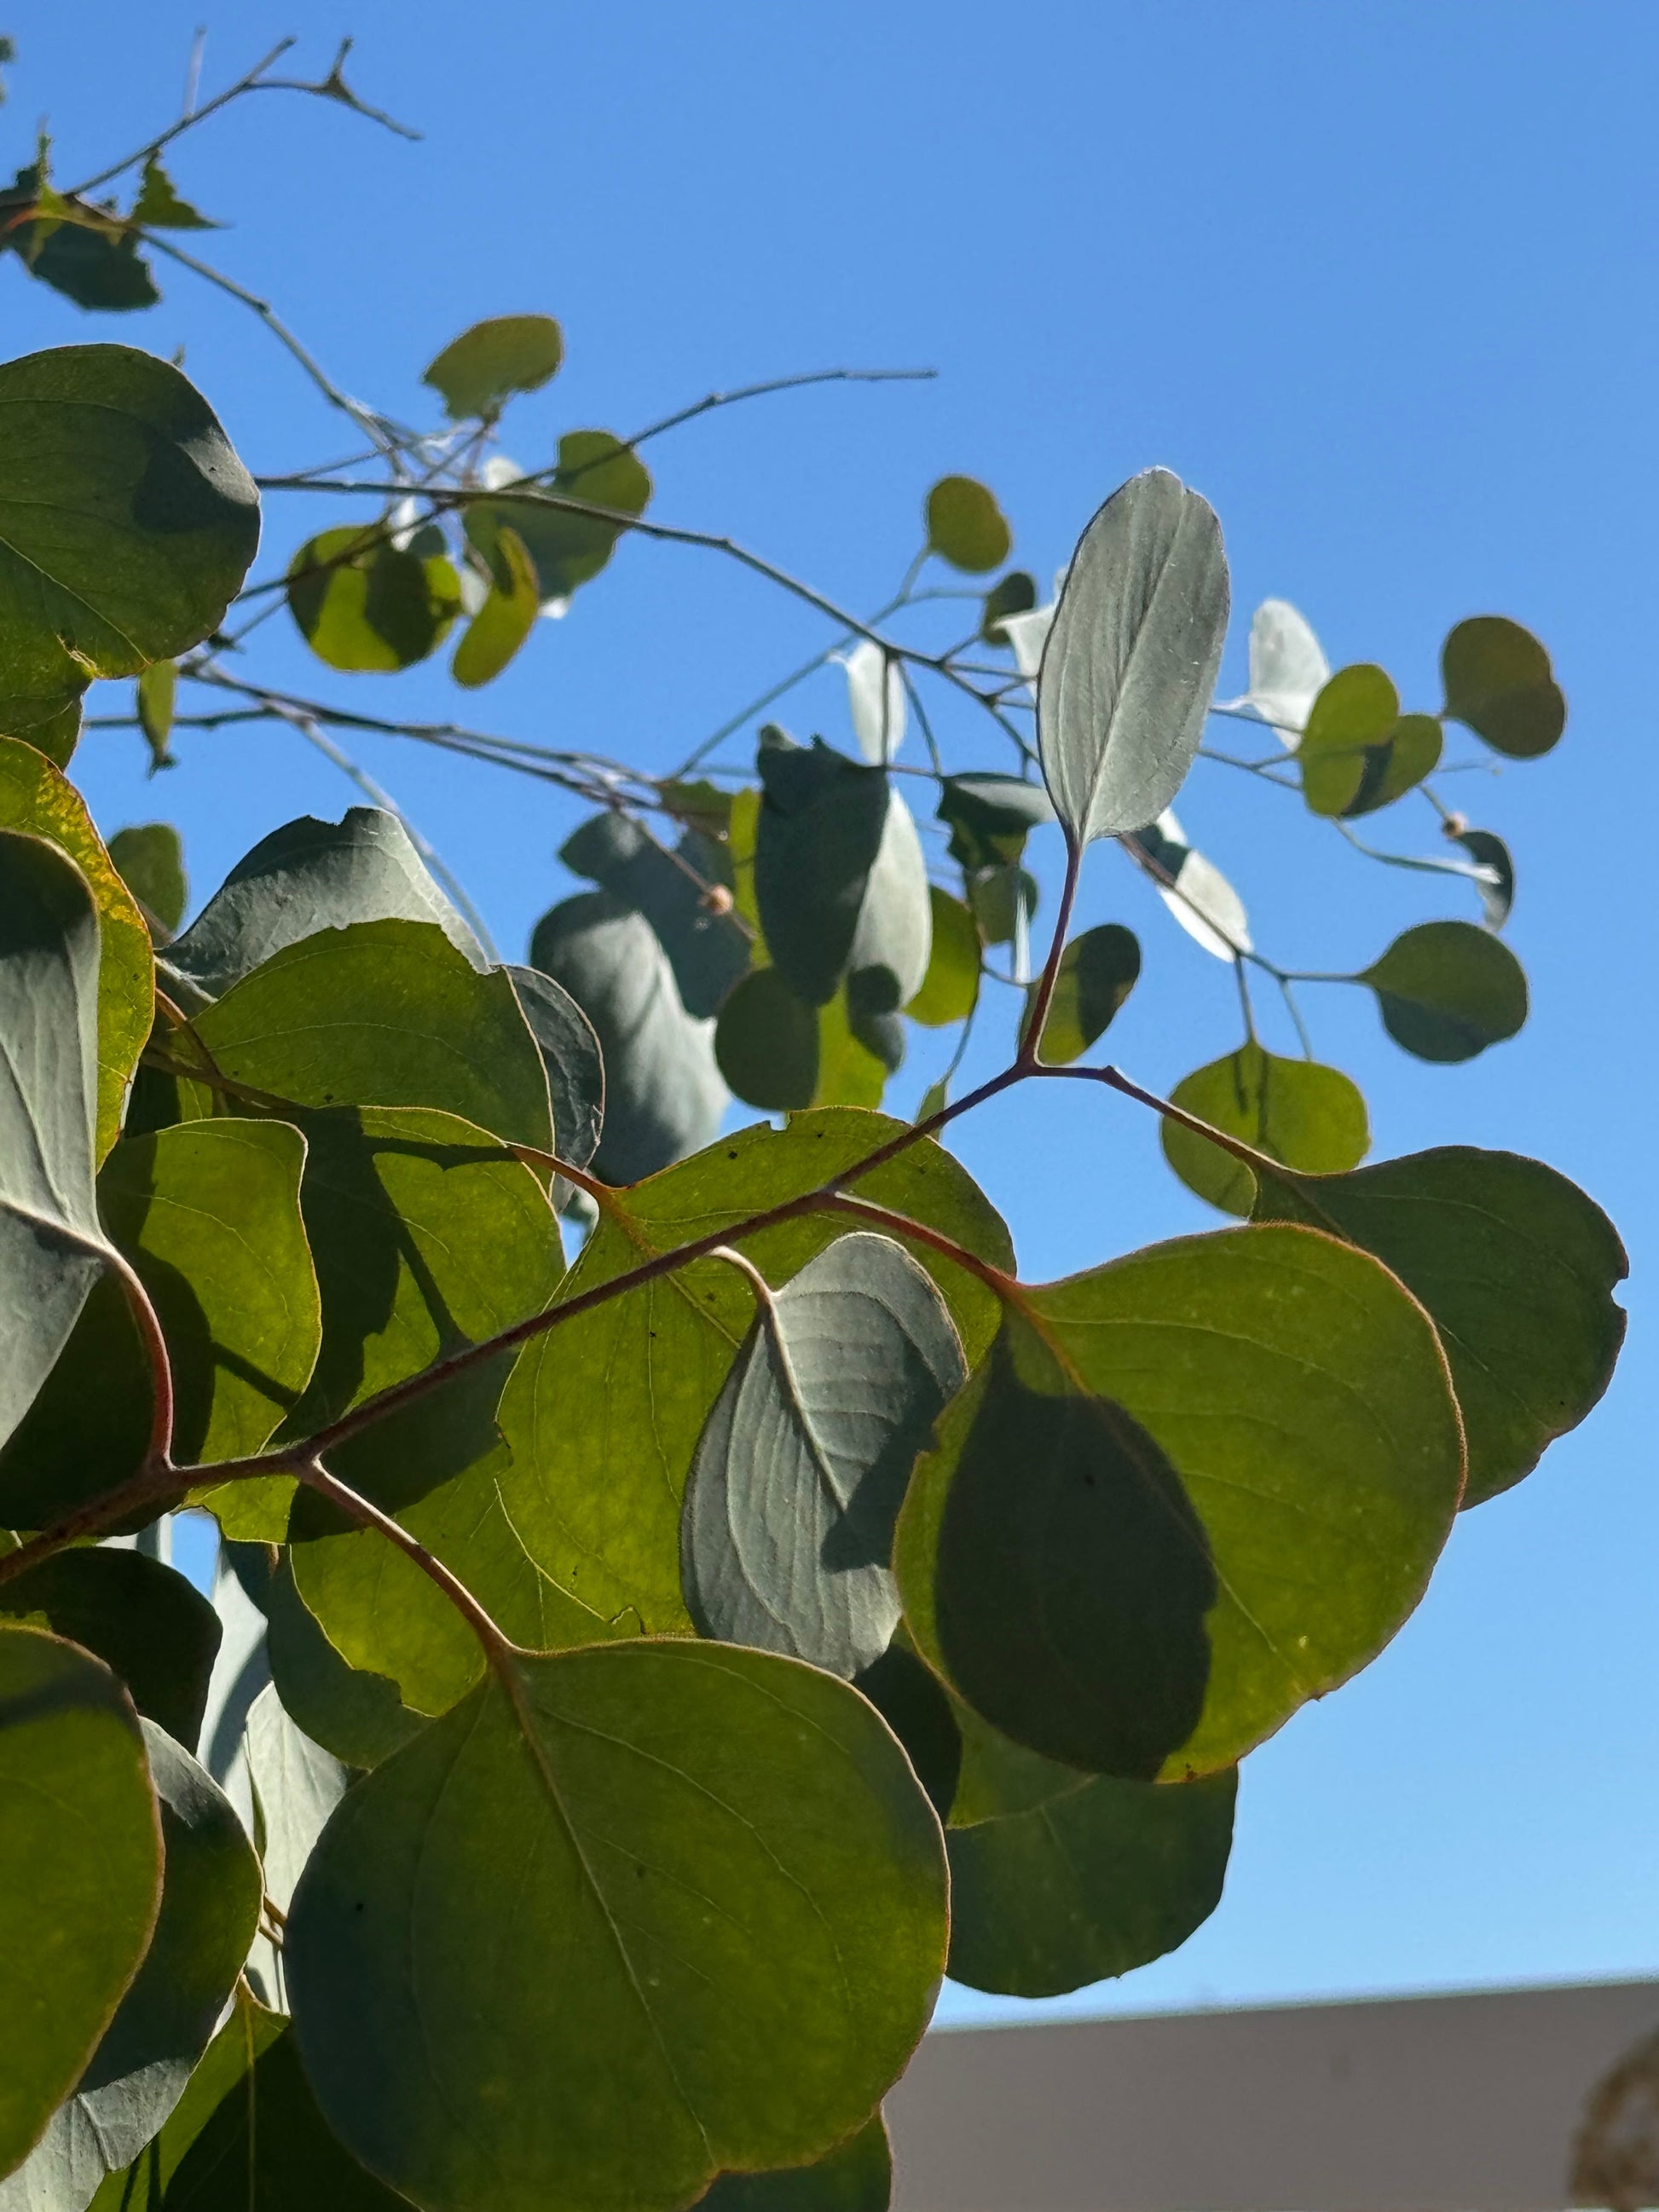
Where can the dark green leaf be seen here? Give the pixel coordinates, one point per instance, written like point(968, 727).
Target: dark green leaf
point(857, 2176)
point(126, 522)
point(1495, 883)
point(1016, 593)
point(1192, 888)
point(145, 1622)
point(246, 2136)
point(700, 805)
point(209, 1908)
point(1447, 990)
point(81, 1843)
point(596, 1479)
point(712, 1845)
point(50, 1238)
point(570, 1053)
point(916, 1705)
point(86, 252)
point(37, 798)
point(150, 859)
point(965, 525)
point(990, 817)
point(1098, 971)
point(949, 990)
point(363, 603)
point(158, 206)
point(786, 1529)
point(384, 1013)
point(506, 618)
point(208, 1214)
point(1516, 1268)
point(306, 877)
point(1498, 680)
point(1003, 900)
point(1295, 1111)
point(663, 1095)
point(766, 1043)
point(476, 372)
point(839, 875)
point(156, 689)
point(1358, 752)
point(356, 1716)
point(569, 548)
point(707, 947)
point(1130, 663)
point(858, 1049)
point(1191, 1491)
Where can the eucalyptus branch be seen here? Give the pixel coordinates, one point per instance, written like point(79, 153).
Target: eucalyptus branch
point(158, 1459)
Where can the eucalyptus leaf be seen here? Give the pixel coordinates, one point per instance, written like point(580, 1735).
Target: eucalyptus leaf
point(1288, 671)
point(356, 1716)
point(876, 700)
point(159, 207)
point(663, 1094)
point(1516, 1268)
point(147, 1624)
point(965, 525)
point(50, 1238)
point(786, 1529)
point(1447, 990)
point(1190, 1490)
point(157, 691)
point(296, 1785)
point(1498, 681)
point(1307, 1116)
point(856, 2176)
point(707, 948)
point(126, 522)
point(362, 601)
point(308, 876)
point(1098, 971)
point(506, 618)
point(949, 990)
point(1016, 593)
point(210, 1907)
point(569, 547)
point(838, 874)
point(1193, 889)
point(150, 858)
point(82, 251)
point(712, 1845)
point(570, 1053)
point(594, 1487)
point(1130, 663)
point(990, 817)
point(1358, 752)
point(1496, 878)
point(476, 372)
point(80, 1839)
point(36, 798)
point(766, 1043)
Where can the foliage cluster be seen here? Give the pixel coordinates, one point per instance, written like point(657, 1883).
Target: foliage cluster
point(633, 1682)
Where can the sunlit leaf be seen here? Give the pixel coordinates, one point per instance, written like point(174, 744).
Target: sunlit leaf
point(569, 548)
point(1288, 671)
point(1447, 990)
point(506, 618)
point(362, 602)
point(80, 1840)
point(356, 1716)
point(621, 2021)
point(1516, 1268)
point(950, 989)
point(1498, 680)
point(1098, 971)
point(1358, 752)
point(157, 691)
point(476, 372)
point(876, 700)
point(965, 525)
point(857, 2176)
point(1297, 1111)
point(1130, 663)
point(787, 1529)
point(1193, 889)
point(158, 206)
point(126, 523)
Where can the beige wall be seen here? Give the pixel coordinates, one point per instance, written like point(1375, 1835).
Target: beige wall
point(1447, 2104)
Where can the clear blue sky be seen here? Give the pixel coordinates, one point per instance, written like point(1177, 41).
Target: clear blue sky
point(1382, 282)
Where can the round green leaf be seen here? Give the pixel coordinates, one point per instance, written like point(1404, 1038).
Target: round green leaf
point(363, 603)
point(1189, 1491)
point(1130, 663)
point(492, 359)
point(966, 527)
point(126, 522)
point(1516, 1268)
point(506, 618)
point(857, 2176)
point(1358, 752)
point(80, 1858)
point(787, 1529)
point(357, 1717)
point(949, 990)
point(1016, 593)
point(766, 1043)
point(1498, 681)
point(146, 1623)
point(596, 1478)
point(713, 1845)
point(150, 858)
point(209, 1912)
point(569, 548)
point(157, 690)
point(38, 798)
point(1447, 990)
point(708, 949)
point(1295, 1111)
point(1098, 972)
